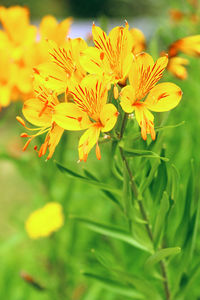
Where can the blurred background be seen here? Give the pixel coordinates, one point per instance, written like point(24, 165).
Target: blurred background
point(27, 182)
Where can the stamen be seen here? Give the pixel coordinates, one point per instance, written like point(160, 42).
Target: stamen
point(21, 121)
point(27, 143)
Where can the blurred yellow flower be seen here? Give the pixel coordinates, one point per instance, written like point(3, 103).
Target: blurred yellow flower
point(189, 45)
point(112, 54)
point(39, 111)
point(15, 21)
point(90, 111)
point(16, 40)
point(139, 41)
point(44, 221)
point(177, 67)
point(143, 76)
point(50, 29)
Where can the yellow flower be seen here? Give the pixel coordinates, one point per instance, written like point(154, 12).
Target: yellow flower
point(6, 79)
point(111, 55)
point(143, 76)
point(38, 111)
point(15, 21)
point(44, 221)
point(52, 30)
point(139, 41)
point(17, 39)
point(89, 111)
point(177, 65)
point(64, 65)
point(189, 45)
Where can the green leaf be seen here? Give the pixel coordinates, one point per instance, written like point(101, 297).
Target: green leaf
point(142, 285)
point(126, 195)
point(143, 153)
point(174, 182)
point(113, 232)
point(159, 183)
point(161, 254)
point(160, 219)
point(68, 171)
point(116, 287)
point(148, 180)
point(96, 183)
point(108, 194)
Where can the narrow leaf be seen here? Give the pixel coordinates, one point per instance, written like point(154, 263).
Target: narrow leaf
point(161, 254)
point(143, 153)
point(96, 183)
point(116, 287)
point(160, 219)
point(113, 232)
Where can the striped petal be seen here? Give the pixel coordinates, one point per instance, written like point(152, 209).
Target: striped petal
point(163, 97)
point(70, 117)
point(108, 117)
point(87, 141)
point(32, 112)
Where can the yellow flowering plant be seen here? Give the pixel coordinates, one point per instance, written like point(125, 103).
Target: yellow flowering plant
point(80, 97)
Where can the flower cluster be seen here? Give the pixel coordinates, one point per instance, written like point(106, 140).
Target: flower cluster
point(71, 89)
point(22, 46)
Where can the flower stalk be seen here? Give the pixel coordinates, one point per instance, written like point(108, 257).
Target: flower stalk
point(142, 209)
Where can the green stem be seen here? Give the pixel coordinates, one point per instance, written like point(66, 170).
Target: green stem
point(142, 209)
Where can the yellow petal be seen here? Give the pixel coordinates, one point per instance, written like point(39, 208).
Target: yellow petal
point(121, 39)
point(100, 38)
point(47, 27)
point(177, 67)
point(144, 74)
point(54, 137)
point(189, 45)
point(5, 95)
point(70, 117)
point(90, 60)
point(87, 141)
point(51, 76)
point(108, 117)
point(139, 42)
point(127, 97)
point(142, 61)
point(32, 112)
point(146, 121)
point(90, 95)
point(163, 97)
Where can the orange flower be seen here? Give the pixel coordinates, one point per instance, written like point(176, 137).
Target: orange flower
point(143, 76)
point(189, 45)
point(89, 111)
point(111, 55)
point(176, 15)
point(177, 65)
point(38, 111)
